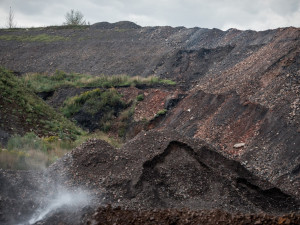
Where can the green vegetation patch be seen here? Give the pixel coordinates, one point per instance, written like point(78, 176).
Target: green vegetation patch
point(161, 112)
point(29, 142)
point(32, 152)
point(24, 110)
point(98, 107)
point(43, 82)
point(167, 82)
point(33, 38)
point(140, 97)
point(61, 27)
point(124, 120)
point(93, 101)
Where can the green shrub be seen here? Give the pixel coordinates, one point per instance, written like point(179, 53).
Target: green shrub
point(92, 102)
point(122, 132)
point(161, 112)
point(140, 97)
point(106, 126)
point(12, 159)
point(108, 103)
point(32, 152)
point(51, 139)
point(59, 76)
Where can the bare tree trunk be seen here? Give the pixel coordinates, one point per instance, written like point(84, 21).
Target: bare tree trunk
point(10, 19)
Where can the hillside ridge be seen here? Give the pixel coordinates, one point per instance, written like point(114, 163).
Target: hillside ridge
point(219, 112)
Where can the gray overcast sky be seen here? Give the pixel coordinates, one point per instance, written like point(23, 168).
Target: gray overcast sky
point(222, 14)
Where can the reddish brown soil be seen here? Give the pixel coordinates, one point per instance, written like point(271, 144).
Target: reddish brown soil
point(110, 216)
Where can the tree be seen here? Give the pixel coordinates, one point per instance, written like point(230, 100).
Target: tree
point(74, 18)
point(10, 19)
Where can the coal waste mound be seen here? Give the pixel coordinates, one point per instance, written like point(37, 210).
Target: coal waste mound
point(163, 169)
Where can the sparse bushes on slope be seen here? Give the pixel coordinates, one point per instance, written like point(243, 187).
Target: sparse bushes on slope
point(42, 134)
point(94, 109)
point(93, 101)
point(49, 134)
point(23, 111)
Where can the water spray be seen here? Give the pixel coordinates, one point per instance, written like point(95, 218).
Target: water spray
point(62, 199)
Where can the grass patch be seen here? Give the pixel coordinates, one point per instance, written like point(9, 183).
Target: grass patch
point(43, 82)
point(29, 142)
point(92, 102)
point(62, 27)
point(140, 97)
point(167, 82)
point(25, 111)
point(32, 152)
point(33, 38)
point(99, 135)
point(161, 112)
point(98, 107)
point(21, 160)
point(124, 120)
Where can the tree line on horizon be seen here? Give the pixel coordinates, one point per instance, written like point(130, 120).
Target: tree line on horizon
point(73, 18)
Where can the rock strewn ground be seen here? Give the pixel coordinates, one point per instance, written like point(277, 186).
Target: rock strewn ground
point(162, 169)
point(109, 216)
point(156, 170)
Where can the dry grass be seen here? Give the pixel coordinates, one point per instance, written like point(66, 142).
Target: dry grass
point(34, 153)
point(43, 82)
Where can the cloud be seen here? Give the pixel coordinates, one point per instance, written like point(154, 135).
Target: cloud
point(222, 14)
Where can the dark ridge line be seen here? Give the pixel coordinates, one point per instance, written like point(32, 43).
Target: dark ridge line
point(242, 179)
point(161, 157)
point(150, 164)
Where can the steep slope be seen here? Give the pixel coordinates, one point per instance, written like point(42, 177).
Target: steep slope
point(131, 50)
point(255, 102)
point(22, 111)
